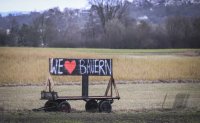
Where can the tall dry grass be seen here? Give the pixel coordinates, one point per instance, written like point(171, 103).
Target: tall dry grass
point(30, 65)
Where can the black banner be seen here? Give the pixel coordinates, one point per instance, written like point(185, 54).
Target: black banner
point(97, 67)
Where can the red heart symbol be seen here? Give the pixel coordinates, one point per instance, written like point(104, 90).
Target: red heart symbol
point(70, 66)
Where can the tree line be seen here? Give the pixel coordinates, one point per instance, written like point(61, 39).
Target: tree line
point(107, 24)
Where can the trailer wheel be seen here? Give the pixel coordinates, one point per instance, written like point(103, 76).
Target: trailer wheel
point(105, 106)
point(91, 106)
point(51, 105)
point(64, 107)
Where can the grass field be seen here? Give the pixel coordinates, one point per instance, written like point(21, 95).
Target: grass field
point(30, 65)
point(133, 96)
point(131, 117)
point(140, 103)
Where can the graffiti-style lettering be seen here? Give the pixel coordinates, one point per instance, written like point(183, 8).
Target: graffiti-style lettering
point(99, 67)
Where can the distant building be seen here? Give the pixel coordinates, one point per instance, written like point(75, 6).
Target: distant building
point(7, 31)
point(143, 17)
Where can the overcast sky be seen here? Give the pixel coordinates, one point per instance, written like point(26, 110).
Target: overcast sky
point(38, 5)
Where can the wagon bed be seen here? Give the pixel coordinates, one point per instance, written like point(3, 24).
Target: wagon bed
point(86, 98)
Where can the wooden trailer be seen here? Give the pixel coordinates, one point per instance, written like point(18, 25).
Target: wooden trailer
point(84, 68)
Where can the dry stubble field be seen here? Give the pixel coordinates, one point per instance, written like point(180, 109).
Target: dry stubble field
point(142, 102)
point(30, 65)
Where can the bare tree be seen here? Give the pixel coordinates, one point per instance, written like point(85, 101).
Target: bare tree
point(109, 9)
point(115, 32)
point(178, 31)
